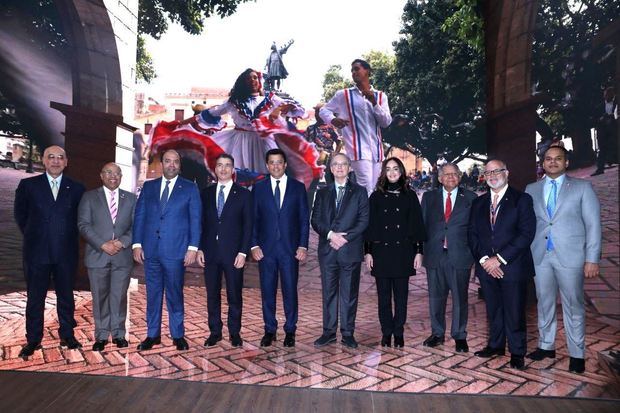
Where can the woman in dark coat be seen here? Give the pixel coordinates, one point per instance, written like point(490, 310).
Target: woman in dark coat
point(394, 234)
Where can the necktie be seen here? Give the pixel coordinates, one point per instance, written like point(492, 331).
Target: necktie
point(54, 189)
point(220, 201)
point(113, 209)
point(448, 210)
point(551, 203)
point(339, 197)
point(446, 216)
point(494, 209)
point(164, 196)
point(276, 194)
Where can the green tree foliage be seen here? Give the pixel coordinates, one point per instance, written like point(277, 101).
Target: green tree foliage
point(439, 77)
point(144, 63)
point(333, 80)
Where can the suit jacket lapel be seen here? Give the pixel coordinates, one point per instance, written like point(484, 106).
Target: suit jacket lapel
point(231, 196)
point(331, 203)
point(563, 195)
point(104, 203)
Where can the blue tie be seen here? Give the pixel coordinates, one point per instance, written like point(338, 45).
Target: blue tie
point(551, 203)
point(164, 197)
point(220, 201)
point(276, 194)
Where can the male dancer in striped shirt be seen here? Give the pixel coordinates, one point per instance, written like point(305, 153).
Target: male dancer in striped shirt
point(359, 112)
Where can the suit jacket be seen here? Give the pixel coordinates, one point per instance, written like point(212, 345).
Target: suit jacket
point(225, 236)
point(352, 218)
point(96, 226)
point(49, 226)
point(454, 231)
point(515, 226)
point(288, 226)
point(575, 225)
point(167, 233)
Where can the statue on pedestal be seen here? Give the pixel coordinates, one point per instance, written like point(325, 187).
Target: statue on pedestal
point(275, 70)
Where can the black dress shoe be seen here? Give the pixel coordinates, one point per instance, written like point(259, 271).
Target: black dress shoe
point(540, 354)
point(120, 342)
point(181, 343)
point(324, 340)
point(149, 342)
point(28, 349)
point(99, 345)
point(70, 342)
point(433, 341)
point(461, 346)
point(349, 341)
point(212, 339)
point(576, 365)
point(267, 339)
point(386, 341)
point(235, 340)
point(399, 341)
point(517, 362)
point(490, 352)
point(289, 340)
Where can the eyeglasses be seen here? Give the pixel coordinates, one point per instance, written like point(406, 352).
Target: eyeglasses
point(494, 172)
point(451, 175)
point(340, 164)
point(111, 173)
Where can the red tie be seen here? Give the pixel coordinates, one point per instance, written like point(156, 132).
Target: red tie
point(448, 211)
point(446, 216)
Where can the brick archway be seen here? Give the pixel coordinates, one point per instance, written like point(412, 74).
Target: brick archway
point(511, 130)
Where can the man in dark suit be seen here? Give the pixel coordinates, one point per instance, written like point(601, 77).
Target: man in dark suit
point(224, 245)
point(46, 209)
point(105, 218)
point(446, 256)
point(166, 236)
point(280, 241)
point(502, 225)
point(340, 217)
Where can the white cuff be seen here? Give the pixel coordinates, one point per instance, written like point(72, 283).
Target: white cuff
point(483, 259)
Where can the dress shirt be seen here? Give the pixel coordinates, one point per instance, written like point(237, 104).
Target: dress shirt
point(282, 180)
point(58, 180)
point(108, 194)
point(227, 187)
point(499, 200)
point(336, 185)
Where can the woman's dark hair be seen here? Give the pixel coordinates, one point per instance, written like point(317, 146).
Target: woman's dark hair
point(382, 182)
point(241, 90)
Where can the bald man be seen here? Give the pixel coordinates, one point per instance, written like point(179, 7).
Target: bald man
point(46, 212)
point(105, 218)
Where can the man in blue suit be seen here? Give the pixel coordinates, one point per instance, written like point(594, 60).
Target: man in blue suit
point(166, 235)
point(45, 209)
point(502, 225)
point(224, 245)
point(280, 241)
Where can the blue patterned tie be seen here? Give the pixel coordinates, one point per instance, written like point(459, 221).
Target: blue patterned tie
point(276, 194)
point(220, 201)
point(164, 196)
point(551, 201)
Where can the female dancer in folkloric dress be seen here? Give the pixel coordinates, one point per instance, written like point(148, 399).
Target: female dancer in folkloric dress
point(259, 126)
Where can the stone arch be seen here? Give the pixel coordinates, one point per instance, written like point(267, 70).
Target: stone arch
point(511, 126)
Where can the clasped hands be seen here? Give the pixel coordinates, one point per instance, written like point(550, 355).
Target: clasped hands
point(112, 247)
point(492, 267)
point(337, 240)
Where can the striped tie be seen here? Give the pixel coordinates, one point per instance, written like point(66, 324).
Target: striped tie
point(113, 209)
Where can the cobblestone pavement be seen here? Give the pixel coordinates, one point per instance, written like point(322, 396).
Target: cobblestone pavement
point(370, 367)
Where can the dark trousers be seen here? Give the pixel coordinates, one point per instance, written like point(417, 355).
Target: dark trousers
point(282, 265)
point(234, 285)
point(37, 282)
point(392, 321)
point(165, 274)
point(340, 284)
point(505, 302)
point(441, 281)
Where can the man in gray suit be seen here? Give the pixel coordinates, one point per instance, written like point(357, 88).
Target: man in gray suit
point(446, 255)
point(105, 219)
point(567, 247)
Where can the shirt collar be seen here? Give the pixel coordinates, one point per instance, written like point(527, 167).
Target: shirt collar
point(282, 180)
point(500, 193)
point(559, 180)
point(453, 192)
point(172, 181)
point(227, 185)
point(50, 178)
